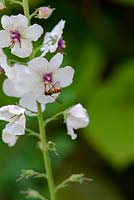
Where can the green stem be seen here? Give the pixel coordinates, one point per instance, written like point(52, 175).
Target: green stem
point(27, 14)
point(54, 117)
point(32, 133)
point(47, 161)
point(26, 10)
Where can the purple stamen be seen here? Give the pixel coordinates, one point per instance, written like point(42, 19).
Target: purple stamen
point(15, 37)
point(61, 44)
point(47, 78)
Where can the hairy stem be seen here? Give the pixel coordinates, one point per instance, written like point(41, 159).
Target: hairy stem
point(47, 161)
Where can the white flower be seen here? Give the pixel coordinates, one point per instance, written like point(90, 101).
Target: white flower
point(53, 40)
point(41, 81)
point(18, 35)
point(45, 12)
point(76, 117)
point(16, 126)
point(48, 80)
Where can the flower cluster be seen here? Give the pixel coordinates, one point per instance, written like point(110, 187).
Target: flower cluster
point(38, 80)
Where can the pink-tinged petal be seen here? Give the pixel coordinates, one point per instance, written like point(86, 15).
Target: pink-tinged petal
point(9, 89)
point(55, 62)
point(9, 139)
point(22, 50)
point(33, 32)
point(6, 23)
point(64, 76)
point(19, 22)
point(5, 39)
point(38, 65)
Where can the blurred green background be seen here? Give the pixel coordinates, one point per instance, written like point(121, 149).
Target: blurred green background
point(100, 46)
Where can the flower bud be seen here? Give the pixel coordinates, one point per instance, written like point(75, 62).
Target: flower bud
point(31, 194)
point(45, 12)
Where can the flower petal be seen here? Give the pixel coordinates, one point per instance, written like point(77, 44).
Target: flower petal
point(29, 102)
point(78, 111)
point(6, 23)
point(70, 131)
point(15, 129)
point(9, 139)
point(47, 43)
point(4, 39)
point(43, 99)
point(7, 69)
point(58, 29)
point(64, 76)
point(19, 22)
point(55, 62)
point(24, 50)
point(4, 114)
point(77, 123)
point(17, 110)
point(9, 89)
point(38, 65)
point(13, 113)
point(23, 79)
point(33, 32)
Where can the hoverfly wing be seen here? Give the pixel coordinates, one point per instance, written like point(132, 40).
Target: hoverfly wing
point(57, 84)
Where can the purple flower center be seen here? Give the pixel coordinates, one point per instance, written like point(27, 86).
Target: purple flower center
point(15, 37)
point(61, 44)
point(47, 78)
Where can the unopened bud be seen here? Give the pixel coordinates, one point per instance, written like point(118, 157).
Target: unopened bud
point(31, 194)
point(45, 12)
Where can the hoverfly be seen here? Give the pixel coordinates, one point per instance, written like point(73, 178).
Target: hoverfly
point(51, 89)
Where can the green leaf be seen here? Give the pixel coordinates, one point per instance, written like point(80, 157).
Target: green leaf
point(111, 130)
